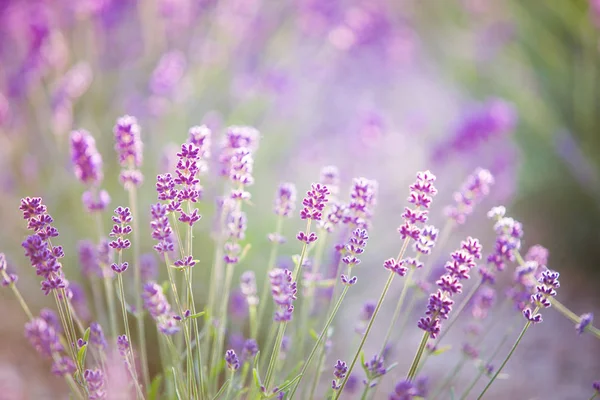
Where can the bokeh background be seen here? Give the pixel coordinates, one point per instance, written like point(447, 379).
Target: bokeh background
point(379, 88)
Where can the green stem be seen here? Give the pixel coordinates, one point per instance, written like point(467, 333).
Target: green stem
point(137, 282)
point(126, 321)
point(17, 294)
point(108, 284)
point(317, 344)
point(230, 387)
point(277, 345)
point(407, 284)
point(512, 350)
point(413, 368)
point(386, 288)
point(264, 295)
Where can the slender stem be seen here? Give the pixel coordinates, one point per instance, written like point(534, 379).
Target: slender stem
point(512, 350)
point(262, 305)
point(365, 391)
point(74, 387)
point(561, 308)
point(594, 396)
point(318, 373)
point(277, 346)
point(252, 319)
point(137, 281)
point(386, 288)
point(318, 343)
point(125, 318)
point(230, 387)
point(17, 294)
point(136, 383)
point(407, 284)
point(413, 368)
point(108, 284)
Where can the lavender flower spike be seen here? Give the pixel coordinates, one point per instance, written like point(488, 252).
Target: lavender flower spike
point(585, 320)
point(158, 307)
point(284, 290)
point(87, 162)
point(475, 188)
point(232, 360)
point(95, 383)
point(340, 369)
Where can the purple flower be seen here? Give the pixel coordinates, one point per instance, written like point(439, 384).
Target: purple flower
point(404, 390)
point(283, 290)
point(63, 366)
point(314, 202)
point(330, 177)
point(123, 345)
point(584, 321)
point(340, 369)
point(483, 302)
point(355, 247)
point(168, 73)
point(248, 287)
point(250, 349)
point(128, 143)
point(79, 301)
point(95, 200)
point(363, 198)
point(95, 384)
point(200, 136)
point(421, 195)
point(87, 162)
point(285, 200)
point(161, 229)
point(537, 253)
point(374, 367)
point(475, 188)
point(88, 259)
point(97, 336)
point(148, 267)
point(233, 363)
point(426, 240)
point(43, 337)
point(236, 137)
point(395, 266)
point(121, 229)
point(596, 386)
point(158, 307)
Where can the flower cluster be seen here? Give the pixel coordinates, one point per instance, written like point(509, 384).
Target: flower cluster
point(161, 229)
point(408, 390)
point(236, 137)
point(95, 384)
point(354, 248)
point(421, 195)
point(129, 147)
point(232, 360)
point(545, 290)
point(363, 198)
point(120, 230)
point(474, 189)
point(526, 277)
point(248, 287)
point(584, 320)
point(42, 255)
point(313, 205)
point(44, 337)
point(7, 277)
point(158, 307)
point(283, 290)
point(449, 284)
point(340, 369)
point(284, 205)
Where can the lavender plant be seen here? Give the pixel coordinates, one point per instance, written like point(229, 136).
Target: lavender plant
point(284, 344)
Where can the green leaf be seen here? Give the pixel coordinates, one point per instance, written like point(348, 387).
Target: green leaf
point(289, 383)
point(362, 359)
point(391, 367)
point(152, 393)
point(86, 335)
point(82, 352)
point(197, 315)
point(257, 381)
point(166, 285)
point(452, 393)
point(314, 334)
point(220, 392)
point(441, 350)
point(244, 252)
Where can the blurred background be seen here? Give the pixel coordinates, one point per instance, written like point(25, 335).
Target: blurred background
point(379, 88)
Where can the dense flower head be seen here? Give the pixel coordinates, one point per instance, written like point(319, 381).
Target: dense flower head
point(63, 366)
point(161, 229)
point(123, 345)
point(250, 349)
point(545, 290)
point(285, 199)
point(38, 220)
point(314, 202)
point(375, 367)
point(426, 240)
point(236, 137)
point(421, 195)
point(248, 287)
point(232, 360)
point(168, 72)
point(330, 177)
point(95, 384)
point(363, 198)
point(283, 290)
point(584, 320)
point(158, 307)
point(537, 253)
point(483, 301)
point(200, 136)
point(43, 337)
point(404, 390)
point(128, 143)
point(87, 162)
point(97, 336)
point(88, 259)
point(340, 369)
point(95, 200)
point(396, 266)
point(122, 217)
point(242, 166)
point(355, 247)
point(44, 259)
point(473, 190)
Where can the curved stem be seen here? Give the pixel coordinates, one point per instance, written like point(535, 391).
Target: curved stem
point(512, 350)
point(137, 282)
